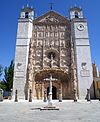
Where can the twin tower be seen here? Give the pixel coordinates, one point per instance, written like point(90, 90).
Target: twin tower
point(52, 44)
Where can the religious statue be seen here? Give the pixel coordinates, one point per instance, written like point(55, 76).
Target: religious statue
point(51, 65)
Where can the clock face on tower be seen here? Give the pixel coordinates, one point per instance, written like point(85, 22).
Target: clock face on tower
point(80, 27)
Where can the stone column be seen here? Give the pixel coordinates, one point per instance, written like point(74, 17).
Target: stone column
point(16, 96)
point(45, 95)
point(60, 95)
point(75, 96)
point(33, 89)
point(99, 93)
point(26, 91)
point(36, 89)
point(1, 95)
point(88, 95)
point(30, 95)
point(42, 91)
point(29, 87)
point(39, 91)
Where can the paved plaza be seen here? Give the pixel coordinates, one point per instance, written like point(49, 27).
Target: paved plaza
point(23, 111)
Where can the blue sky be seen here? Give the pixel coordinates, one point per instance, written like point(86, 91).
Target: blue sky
point(10, 11)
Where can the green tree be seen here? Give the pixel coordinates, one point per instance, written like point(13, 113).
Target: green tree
point(2, 85)
point(7, 83)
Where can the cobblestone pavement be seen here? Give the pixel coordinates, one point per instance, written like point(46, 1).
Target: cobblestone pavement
point(24, 111)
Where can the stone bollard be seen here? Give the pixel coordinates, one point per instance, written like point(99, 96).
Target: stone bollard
point(75, 98)
point(1, 95)
point(88, 95)
point(30, 95)
point(99, 93)
point(60, 95)
point(45, 96)
point(16, 96)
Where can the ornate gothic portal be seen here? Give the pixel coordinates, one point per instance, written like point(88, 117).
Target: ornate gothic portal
point(51, 52)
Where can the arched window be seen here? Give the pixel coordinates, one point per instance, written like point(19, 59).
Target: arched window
point(26, 15)
point(76, 14)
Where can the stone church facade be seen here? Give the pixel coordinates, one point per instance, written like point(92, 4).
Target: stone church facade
point(52, 45)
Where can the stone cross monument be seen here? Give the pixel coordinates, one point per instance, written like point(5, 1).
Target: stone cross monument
point(50, 106)
point(51, 79)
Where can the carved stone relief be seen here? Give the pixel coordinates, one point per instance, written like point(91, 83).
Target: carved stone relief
point(84, 72)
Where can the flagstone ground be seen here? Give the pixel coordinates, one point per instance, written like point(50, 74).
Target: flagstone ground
point(24, 111)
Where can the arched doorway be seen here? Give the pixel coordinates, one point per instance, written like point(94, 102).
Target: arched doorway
point(54, 92)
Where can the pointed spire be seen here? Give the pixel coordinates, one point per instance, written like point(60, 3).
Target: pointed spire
point(71, 7)
point(75, 5)
point(27, 5)
point(23, 6)
point(80, 7)
point(36, 15)
point(51, 6)
point(94, 62)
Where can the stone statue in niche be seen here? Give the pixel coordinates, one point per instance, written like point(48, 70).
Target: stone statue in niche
point(47, 34)
point(51, 34)
point(62, 43)
point(61, 34)
point(56, 34)
point(34, 34)
point(39, 34)
point(57, 43)
point(52, 43)
point(48, 43)
point(40, 43)
point(51, 61)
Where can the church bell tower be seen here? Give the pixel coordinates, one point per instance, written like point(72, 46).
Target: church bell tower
point(79, 32)
point(24, 35)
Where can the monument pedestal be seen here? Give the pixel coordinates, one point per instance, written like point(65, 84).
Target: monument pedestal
point(49, 107)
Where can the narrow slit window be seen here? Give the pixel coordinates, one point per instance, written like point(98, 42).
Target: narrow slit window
point(26, 15)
